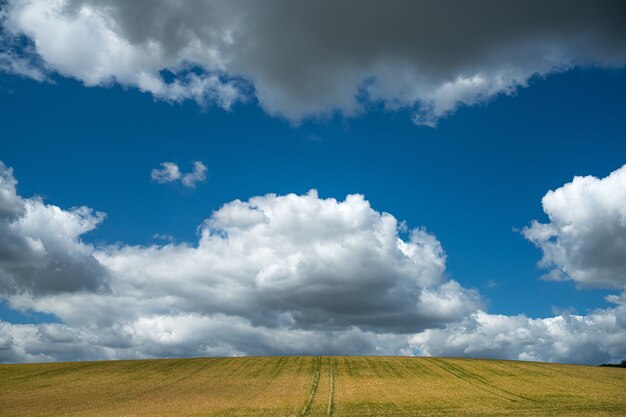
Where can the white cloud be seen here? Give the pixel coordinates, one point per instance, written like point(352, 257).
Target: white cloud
point(26, 63)
point(40, 247)
point(595, 338)
point(183, 335)
point(197, 175)
point(14, 64)
point(424, 56)
point(291, 274)
point(584, 241)
point(302, 260)
point(585, 238)
point(170, 172)
point(274, 274)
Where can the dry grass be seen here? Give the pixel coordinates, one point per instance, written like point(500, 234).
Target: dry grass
point(311, 386)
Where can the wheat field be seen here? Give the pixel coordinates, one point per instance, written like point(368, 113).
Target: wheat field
point(311, 386)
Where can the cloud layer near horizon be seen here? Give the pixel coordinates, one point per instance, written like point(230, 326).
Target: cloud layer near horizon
point(292, 274)
point(302, 59)
point(275, 274)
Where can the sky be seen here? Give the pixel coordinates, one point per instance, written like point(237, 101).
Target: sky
point(214, 178)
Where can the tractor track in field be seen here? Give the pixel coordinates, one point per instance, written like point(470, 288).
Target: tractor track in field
point(316, 380)
point(317, 371)
point(480, 383)
point(331, 388)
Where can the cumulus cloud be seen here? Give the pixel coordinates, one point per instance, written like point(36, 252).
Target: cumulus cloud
point(585, 238)
point(592, 339)
point(584, 241)
point(303, 261)
point(183, 336)
point(40, 247)
point(274, 274)
point(300, 58)
point(170, 172)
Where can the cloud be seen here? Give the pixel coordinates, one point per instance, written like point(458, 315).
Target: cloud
point(14, 64)
point(585, 238)
point(165, 237)
point(24, 62)
point(170, 172)
point(584, 241)
point(301, 59)
point(40, 247)
point(274, 274)
point(182, 336)
point(301, 260)
point(197, 175)
point(591, 339)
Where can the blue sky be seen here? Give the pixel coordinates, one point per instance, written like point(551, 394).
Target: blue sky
point(465, 158)
point(471, 181)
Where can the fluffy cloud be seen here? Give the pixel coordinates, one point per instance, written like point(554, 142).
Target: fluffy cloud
point(40, 247)
point(302, 261)
point(170, 172)
point(584, 241)
point(291, 274)
point(183, 335)
point(585, 238)
point(301, 58)
point(274, 274)
point(592, 339)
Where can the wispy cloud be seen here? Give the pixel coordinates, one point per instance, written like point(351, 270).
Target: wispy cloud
point(197, 175)
point(170, 172)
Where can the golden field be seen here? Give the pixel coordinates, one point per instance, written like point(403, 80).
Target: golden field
point(311, 386)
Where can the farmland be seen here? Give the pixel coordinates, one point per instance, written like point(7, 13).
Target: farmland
point(311, 386)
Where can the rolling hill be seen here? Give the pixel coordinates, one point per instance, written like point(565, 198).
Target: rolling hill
point(311, 386)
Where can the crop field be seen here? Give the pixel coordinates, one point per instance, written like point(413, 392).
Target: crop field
point(311, 386)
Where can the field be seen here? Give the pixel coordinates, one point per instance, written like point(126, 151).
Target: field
point(311, 386)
